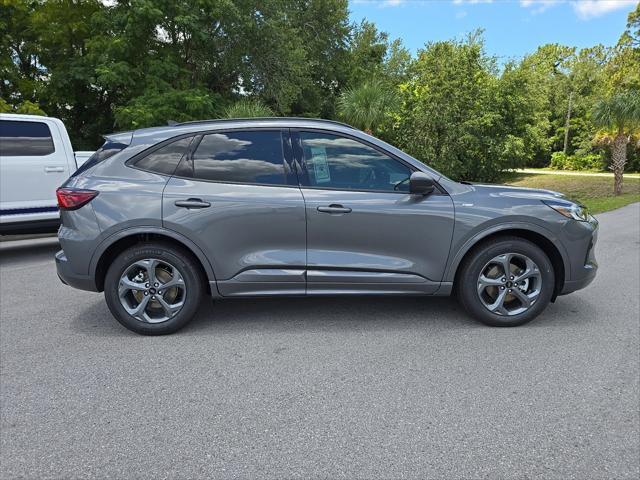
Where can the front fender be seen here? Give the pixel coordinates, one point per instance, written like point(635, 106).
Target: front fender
point(476, 236)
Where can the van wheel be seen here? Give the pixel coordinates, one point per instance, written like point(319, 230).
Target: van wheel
point(154, 288)
point(506, 282)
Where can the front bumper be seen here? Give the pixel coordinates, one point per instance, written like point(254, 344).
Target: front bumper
point(69, 277)
point(587, 277)
point(585, 266)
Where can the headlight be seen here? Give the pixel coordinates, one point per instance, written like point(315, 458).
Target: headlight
point(570, 210)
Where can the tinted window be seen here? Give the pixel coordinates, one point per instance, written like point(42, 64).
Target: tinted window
point(23, 139)
point(108, 149)
point(165, 159)
point(338, 162)
point(240, 157)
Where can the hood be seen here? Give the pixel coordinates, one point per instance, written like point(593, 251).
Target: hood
point(518, 192)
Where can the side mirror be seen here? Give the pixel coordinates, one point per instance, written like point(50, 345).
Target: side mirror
point(421, 184)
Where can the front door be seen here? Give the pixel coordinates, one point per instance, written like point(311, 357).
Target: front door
point(236, 198)
point(365, 232)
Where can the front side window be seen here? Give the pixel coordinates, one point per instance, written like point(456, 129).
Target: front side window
point(25, 139)
point(342, 163)
point(241, 157)
point(165, 159)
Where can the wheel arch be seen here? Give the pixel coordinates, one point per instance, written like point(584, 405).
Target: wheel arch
point(544, 240)
point(116, 243)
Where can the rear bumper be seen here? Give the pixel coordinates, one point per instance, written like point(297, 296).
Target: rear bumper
point(69, 277)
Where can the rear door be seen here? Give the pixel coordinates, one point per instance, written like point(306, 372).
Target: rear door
point(237, 197)
point(33, 164)
point(365, 232)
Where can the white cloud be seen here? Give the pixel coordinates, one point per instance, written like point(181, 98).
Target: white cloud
point(538, 6)
point(594, 8)
point(585, 9)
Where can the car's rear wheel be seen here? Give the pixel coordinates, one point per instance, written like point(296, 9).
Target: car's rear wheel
point(506, 282)
point(153, 288)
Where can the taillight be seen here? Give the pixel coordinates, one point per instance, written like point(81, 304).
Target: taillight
point(74, 198)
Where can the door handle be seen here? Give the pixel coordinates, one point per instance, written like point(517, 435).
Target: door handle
point(53, 169)
point(192, 203)
point(334, 208)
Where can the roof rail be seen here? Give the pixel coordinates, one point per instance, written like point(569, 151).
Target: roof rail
point(227, 120)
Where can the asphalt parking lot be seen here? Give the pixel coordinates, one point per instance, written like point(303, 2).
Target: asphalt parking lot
point(322, 388)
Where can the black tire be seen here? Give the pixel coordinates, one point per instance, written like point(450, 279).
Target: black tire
point(467, 281)
point(186, 265)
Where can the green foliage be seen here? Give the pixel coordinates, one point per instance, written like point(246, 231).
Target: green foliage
point(102, 66)
point(561, 161)
point(373, 55)
point(106, 65)
point(26, 107)
point(19, 69)
point(366, 107)
point(463, 118)
point(631, 36)
point(623, 70)
point(248, 108)
point(619, 112)
point(155, 108)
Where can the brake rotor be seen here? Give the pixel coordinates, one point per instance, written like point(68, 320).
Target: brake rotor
point(163, 275)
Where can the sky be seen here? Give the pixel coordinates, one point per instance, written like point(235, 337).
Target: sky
point(512, 28)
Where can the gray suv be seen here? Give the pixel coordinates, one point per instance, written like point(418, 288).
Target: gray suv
point(248, 208)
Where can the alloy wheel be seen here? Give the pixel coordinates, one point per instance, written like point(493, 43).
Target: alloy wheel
point(509, 284)
point(152, 290)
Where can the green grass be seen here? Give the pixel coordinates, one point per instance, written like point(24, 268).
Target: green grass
point(609, 172)
point(595, 192)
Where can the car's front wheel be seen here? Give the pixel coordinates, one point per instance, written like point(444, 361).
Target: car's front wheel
point(153, 288)
point(506, 282)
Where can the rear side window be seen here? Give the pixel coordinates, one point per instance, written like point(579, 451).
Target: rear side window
point(25, 139)
point(165, 159)
point(241, 157)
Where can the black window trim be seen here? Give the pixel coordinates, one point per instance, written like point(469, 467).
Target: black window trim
point(300, 161)
point(296, 162)
point(284, 137)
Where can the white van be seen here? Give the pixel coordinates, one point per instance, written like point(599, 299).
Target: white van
point(36, 157)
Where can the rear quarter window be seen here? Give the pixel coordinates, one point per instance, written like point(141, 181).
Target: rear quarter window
point(165, 159)
point(108, 149)
point(25, 139)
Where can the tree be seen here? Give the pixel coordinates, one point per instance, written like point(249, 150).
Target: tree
point(367, 106)
point(463, 117)
point(624, 67)
point(248, 108)
point(619, 114)
point(157, 108)
point(26, 107)
point(631, 36)
point(20, 70)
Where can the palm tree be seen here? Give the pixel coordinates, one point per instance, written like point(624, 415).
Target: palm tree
point(248, 108)
point(366, 106)
point(619, 114)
